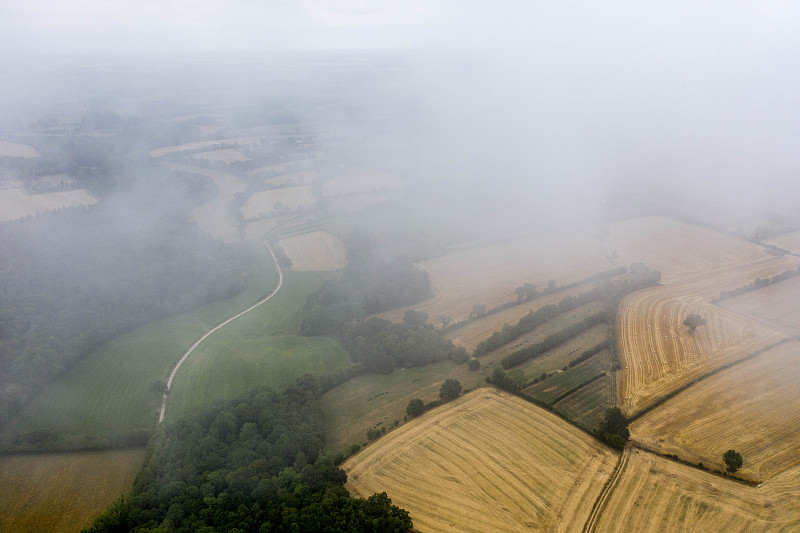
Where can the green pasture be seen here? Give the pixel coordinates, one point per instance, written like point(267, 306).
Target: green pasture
point(561, 382)
point(110, 391)
point(587, 406)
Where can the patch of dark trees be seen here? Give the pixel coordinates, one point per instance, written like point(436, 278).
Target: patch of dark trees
point(72, 280)
point(250, 465)
point(757, 283)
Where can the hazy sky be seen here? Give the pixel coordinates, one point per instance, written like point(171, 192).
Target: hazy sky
point(186, 25)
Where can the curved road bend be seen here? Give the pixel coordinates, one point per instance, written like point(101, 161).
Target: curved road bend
point(204, 337)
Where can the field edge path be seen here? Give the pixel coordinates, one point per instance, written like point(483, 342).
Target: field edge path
point(605, 495)
point(165, 397)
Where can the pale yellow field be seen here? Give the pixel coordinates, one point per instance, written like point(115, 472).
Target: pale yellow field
point(223, 143)
point(63, 492)
point(279, 167)
point(776, 305)
point(259, 228)
point(318, 250)
point(294, 178)
point(226, 155)
point(676, 248)
point(489, 274)
point(353, 182)
point(487, 461)
point(659, 354)
point(751, 407)
point(656, 494)
point(8, 149)
point(16, 204)
point(262, 203)
point(789, 241)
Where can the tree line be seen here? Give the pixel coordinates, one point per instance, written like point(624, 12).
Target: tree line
point(757, 283)
point(253, 464)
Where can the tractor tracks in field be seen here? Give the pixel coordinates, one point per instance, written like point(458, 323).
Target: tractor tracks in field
point(608, 489)
point(177, 367)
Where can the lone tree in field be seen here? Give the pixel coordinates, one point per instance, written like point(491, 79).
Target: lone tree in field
point(733, 460)
point(450, 390)
point(415, 407)
point(693, 320)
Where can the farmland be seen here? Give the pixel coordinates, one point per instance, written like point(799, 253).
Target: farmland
point(263, 203)
point(9, 149)
point(225, 155)
point(108, 392)
point(489, 274)
point(587, 406)
point(16, 203)
point(788, 241)
point(676, 248)
point(750, 407)
point(777, 305)
point(469, 466)
point(317, 250)
point(656, 494)
point(660, 354)
point(63, 492)
point(354, 182)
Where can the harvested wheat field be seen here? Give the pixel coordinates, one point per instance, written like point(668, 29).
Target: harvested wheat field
point(8, 149)
point(16, 203)
point(353, 182)
point(788, 241)
point(751, 407)
point(263, 203)
point(489, 274)
point(215, 217)
point(318, 250)
point(258, 229)
point(659, 354)
point(676, 248)
point(777, 305)
point(224, 155)
point(63, 492)
point(656, 494)
point(219, 144)
point(487, 461)
point(295, 178)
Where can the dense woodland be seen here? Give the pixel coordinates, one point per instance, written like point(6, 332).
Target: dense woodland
point(250, 465)
point(70, 281)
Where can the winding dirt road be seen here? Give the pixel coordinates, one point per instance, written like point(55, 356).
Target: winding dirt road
point(215, 328)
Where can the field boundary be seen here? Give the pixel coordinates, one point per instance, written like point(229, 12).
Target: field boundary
point(165, 397)
point(663, 399)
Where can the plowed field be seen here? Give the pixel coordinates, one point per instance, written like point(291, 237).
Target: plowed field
point(656, 494)
point(751, 407)
point(487, 461)
point(318, 250)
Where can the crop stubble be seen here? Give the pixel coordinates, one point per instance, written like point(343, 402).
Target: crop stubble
point(318, 250)
point(487, 461)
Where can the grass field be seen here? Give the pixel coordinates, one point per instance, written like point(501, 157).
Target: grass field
point(489, 274)
point(659, 354)
point(560, 383)
point(656, 494)
point(318, 250)
point(477, 464)
point(371, 400)
point(16, 203)
point(751, 407)
point(109, 391)
point(587, 406)
point(62, 492)
point(262, 203)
